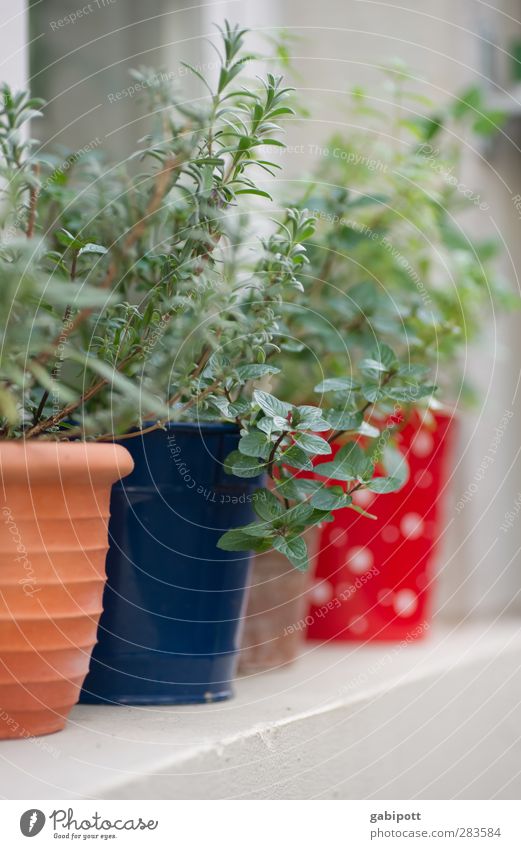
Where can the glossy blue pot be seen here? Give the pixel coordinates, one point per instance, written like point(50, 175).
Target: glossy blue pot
point(173, 601)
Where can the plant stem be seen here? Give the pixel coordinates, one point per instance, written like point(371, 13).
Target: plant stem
point(33, 202)
point(110, 437)
point(273, 451)
point(74, 264)
point(52, 421)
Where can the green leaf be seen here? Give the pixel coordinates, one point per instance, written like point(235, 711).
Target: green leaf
point(257, 192)
point(470, 100)
point(330, 498)
point(79, 295)
point(384, 484)
point(296, 458)
point(336, 384)
point(299, 515)
point(243, 467)
point(317, 426)
point(312, 444)
point(395, 463)
point(350, 463)
point(295, 550)
point(255, 444)
point(368, 430)
point(255, 370)
point(270, 405)
point(298, 488)
point(8, 408)
point(266, 505)
point(267, 425)
point(386, 355)
point(310, 418)
point(373, 392)
point(489, 123)
point(197, 74)
point(368, 364)
point(64, 237)
point(410, 392)
point(239, 540)
point(91, 248)
point(222, 404)
point(342, 420)
point(307, 412)
point(413, 372)
point(259, 530)
point(46, 379)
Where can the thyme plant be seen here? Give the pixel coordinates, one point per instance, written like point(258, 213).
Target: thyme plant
point(392, 259)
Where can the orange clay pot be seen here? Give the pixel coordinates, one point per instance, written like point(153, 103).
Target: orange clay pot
point(54, 509)
point(274, 626)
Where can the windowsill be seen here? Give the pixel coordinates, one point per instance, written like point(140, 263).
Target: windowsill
point(437, 719)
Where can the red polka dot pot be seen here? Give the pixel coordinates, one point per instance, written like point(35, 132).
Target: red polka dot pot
point(373, 580)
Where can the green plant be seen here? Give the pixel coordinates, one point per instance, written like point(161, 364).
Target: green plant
point(392, 259)
point(130, 303)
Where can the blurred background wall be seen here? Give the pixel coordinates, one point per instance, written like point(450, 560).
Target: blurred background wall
point(80, 55)
point(14, 52)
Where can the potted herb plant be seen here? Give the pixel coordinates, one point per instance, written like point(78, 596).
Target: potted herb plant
point(55, 493)
point(390, 260)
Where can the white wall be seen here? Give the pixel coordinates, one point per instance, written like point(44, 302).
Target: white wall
point(13, 44)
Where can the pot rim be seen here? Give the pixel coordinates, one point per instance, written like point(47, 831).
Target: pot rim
point(81, 462)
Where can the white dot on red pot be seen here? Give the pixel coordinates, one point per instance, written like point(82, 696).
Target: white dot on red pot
point(385, 597)
point(359, 559)
point(363, 498)
point(321, 593)
point(390, 533)
point(423, 479)
point(358, 625)
point(338, 537)
point(422, 444)
point(411, 525)
point(405, 602)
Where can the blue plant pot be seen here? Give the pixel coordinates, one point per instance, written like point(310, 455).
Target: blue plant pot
point(173, 601)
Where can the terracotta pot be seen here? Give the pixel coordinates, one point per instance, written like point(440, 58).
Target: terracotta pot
point(275, 626)
point(53, 540)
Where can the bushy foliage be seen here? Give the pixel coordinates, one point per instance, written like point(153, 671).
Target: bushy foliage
point(131, 301)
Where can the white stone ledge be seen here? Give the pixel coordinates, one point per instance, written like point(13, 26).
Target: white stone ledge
point(435, 720)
